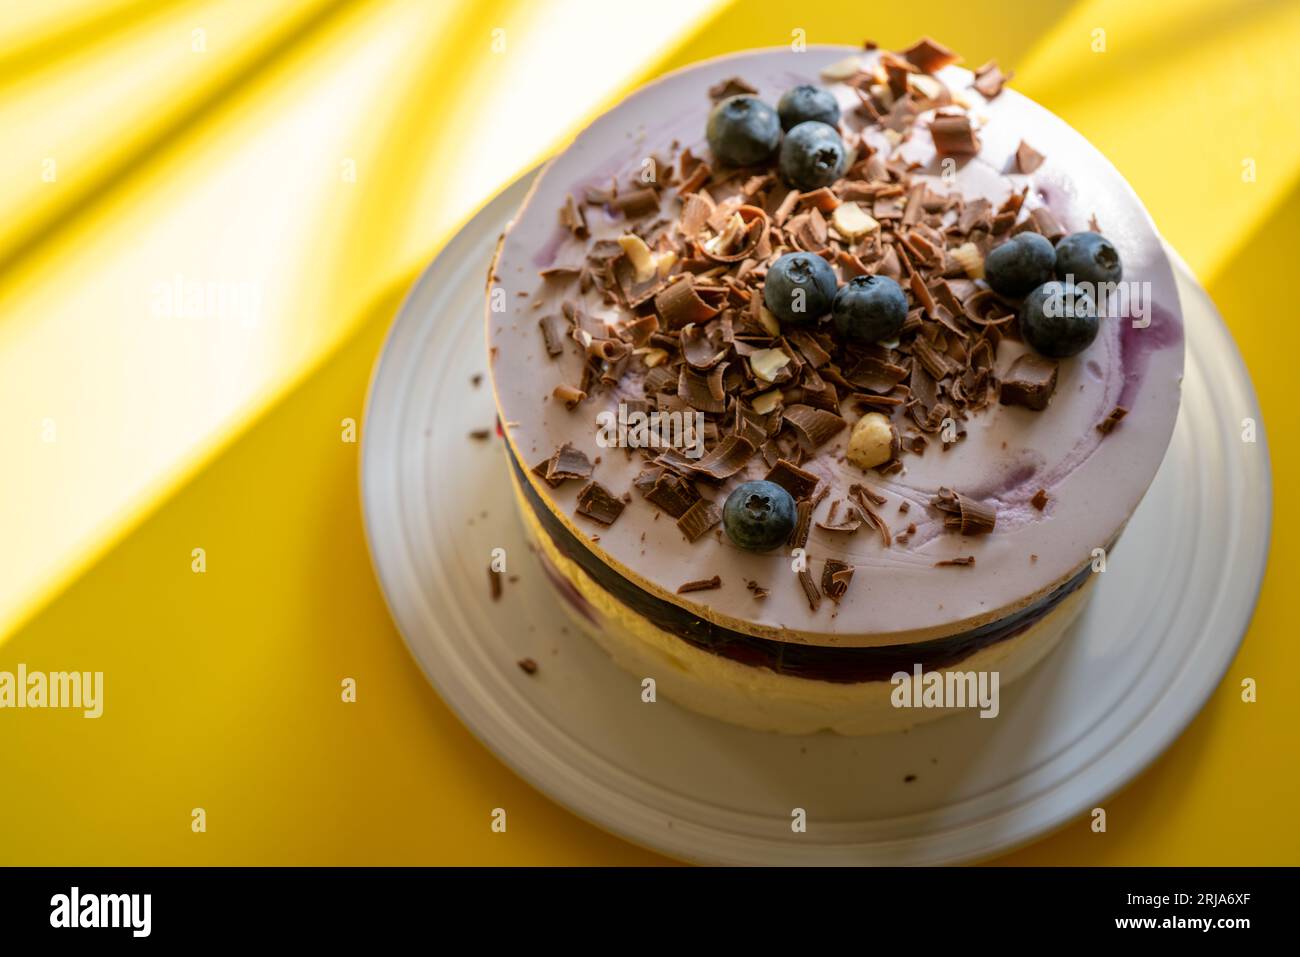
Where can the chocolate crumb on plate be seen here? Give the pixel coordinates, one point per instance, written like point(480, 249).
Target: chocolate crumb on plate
point(960, 562)
point(758, 591)
point(527, 666)
point(494, 583)
point(1039, 501)
point(702, 584)
point(481, 435)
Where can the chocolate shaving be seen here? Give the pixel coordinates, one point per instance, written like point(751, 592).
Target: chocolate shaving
point(850, 522)
point(698, 519)
point(679, 304)
point(810, 589)
point(1028, 159)
point(727, 458)
point(757, 590)
point(694, 390)
point(1045, 222)
point(553, 328)
point(700, 353)
point(862, 497)
point(540, 471)
point(672, 493)
point(929, 56)
point(989, 79)
point(1107, 425)
point(1030, 382)
point(963, 514)
point(809, 348)
point(796, 481)
point(871, 495)
point(573, 218)
point(702, 584)
point(527, 666)
point(595, 502)
point(561, 273)
point(639, 330)
point(802, 523)
point(836, 576)
point(636, 203)
point(813, 427)
point(1039, 501)
point(568, 462)
point(960, 562)
point(660, 379)
point(953, 135)
point(696, 210)
point(494, 583)
point(569, 395)
point(750, 239)
point(732, 86)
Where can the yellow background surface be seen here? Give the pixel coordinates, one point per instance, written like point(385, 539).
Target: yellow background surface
point(316, 155)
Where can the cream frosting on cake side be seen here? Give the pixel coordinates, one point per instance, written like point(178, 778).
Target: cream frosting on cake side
point(1093, 481)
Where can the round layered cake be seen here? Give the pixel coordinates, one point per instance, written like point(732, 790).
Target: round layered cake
point(823, 372)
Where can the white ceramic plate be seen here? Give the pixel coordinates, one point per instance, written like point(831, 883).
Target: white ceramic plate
point(1159, 633)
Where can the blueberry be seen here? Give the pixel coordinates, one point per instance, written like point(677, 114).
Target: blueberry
point(759, 516)
point(1059, 319)
point(1088, 257)
point(869, 309)
point(743, 130)
point(812, 156)
point(807, 102)
point(799, 288)
point(1021, 263)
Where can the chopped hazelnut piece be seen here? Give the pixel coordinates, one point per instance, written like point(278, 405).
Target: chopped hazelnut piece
point(766, 363)
point(872, 441)
point(851, 222)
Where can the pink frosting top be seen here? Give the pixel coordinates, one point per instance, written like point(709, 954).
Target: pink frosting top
point(1094, 482)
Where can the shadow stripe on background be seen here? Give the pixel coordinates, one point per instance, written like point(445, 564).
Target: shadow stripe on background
point(143, 148)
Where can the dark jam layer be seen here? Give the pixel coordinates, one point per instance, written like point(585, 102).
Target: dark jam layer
point(840, 665)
